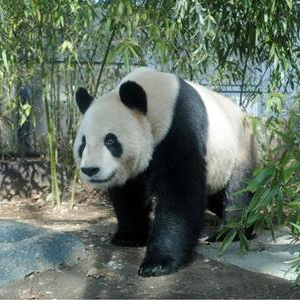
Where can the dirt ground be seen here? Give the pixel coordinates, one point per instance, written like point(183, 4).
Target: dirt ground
point(108, 271)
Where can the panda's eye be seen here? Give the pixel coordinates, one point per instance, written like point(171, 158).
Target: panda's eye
point(110, 139)
point(82, 146)
point(113, 145)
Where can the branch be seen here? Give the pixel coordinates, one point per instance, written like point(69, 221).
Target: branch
point(243, 82)
point(104, 61)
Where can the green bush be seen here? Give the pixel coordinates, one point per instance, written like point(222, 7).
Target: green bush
point(276, 182)
point(94, 43)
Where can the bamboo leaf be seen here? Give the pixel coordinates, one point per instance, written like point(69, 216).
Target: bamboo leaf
point(253, 218)
point(297, 281)
point(295, 226)
point(295, 261)
point(4, 58)
point(271, 227)
point(24, 112)
point(66, 45)
point(289, 4)
point(260, 178)
point(228, 240)
point(126, 60)
point(255, 199)
point(244, 244)
point(279, 204)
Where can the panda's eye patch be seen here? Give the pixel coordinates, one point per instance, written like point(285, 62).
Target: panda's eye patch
point(110, 139)
point(113, 145)
point(82, 146)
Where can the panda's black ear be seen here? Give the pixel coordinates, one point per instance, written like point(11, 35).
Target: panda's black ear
point(83, 99)
point(133, 96)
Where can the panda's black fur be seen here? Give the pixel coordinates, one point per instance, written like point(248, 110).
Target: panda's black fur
point(176, 178)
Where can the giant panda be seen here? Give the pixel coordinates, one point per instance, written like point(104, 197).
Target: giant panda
point(160, 143)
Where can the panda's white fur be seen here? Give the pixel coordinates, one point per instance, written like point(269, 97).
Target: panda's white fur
point(230, 141)
point(161, 89)
point(105, 115)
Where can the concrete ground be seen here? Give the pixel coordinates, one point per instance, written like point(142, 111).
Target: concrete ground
point(264, 256)
point(111, 272)
point(107, 271)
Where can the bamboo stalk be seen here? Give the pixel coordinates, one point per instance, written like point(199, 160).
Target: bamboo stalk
point(72, 199)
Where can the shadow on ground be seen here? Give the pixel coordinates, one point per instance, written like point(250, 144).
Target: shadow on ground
point(26, 177)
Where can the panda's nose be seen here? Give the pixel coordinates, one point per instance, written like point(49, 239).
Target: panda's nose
point(90, 171)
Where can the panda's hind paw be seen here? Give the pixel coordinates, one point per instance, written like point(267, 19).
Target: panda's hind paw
point(158, 266)
point(125, 239)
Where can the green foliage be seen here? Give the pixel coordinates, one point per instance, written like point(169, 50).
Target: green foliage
point(94, 43)
point(189, 37)
point(296, 261)
point(276, 182)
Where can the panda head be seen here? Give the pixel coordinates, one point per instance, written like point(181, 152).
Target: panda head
point(114, 140)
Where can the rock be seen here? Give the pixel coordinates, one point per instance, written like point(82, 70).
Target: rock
point(25, 249)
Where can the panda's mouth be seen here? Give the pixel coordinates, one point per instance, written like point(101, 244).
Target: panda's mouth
point(103, 180)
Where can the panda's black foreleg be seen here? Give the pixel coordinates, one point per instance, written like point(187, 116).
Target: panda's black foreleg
point(179, 214)
point(132, 211)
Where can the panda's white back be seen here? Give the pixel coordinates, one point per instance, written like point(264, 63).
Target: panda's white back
point(229, 138)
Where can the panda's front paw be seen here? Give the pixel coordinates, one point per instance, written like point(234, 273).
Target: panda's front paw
point(158, 266)
point(125, 239)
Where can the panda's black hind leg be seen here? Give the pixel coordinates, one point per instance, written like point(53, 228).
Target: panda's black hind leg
point(215, 203)
point(132, 211)
point(230, 201)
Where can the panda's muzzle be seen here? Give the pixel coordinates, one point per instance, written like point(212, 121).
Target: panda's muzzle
point(103, 180)
point(91, 171)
